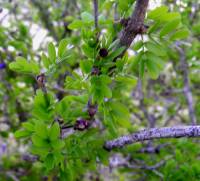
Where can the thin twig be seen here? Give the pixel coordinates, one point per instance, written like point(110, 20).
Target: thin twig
point(187, 90)
point(118, 161)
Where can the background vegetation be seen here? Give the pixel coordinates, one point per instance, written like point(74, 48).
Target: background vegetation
point(76, 74)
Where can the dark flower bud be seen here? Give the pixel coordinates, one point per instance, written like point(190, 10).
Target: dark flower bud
point(41, 80)
point(92, 109)
point(103, 52)
point(81, 124)
point(95, 71)
point(2, 65)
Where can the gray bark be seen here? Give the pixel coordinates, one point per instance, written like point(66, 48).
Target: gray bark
point(135, 24)
point(153, 133)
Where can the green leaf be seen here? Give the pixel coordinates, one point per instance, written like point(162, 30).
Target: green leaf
point(40, 142)
point(42, 108)
point(76, 24)
point(54, 131)
point(52, 52)
point(62, 47)
point(100, 88)
point(23, 66)
point(58, 159)
point(57, 144)
point(49, 161)
point(181, 34)
point(86, 66)
point(120, 113)
point(45, 61)
point(152, 70)
point(169, 17)
point(106, 91)
point(155, 48)
point(157, 12)
point(135, 61)
point(22, 133)
point(155, 27)
point(156, 60)
point(41, 151)
point(88, 51)
point(28, 126)
point(105, 79)
point(41, 130)
point(172, 25)
point(90, 133)
point(23, 30)
point(114, 44)
point(141, 67)
point(115, 53)
point(110, 125)
point(137, 45)
point(127, 79)
point(87, 17)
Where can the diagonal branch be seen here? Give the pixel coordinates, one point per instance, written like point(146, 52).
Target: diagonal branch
point(133, 27)
point(153, 133)
point(135, 24)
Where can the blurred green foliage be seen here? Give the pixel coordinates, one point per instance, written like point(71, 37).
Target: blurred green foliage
point(49, 95)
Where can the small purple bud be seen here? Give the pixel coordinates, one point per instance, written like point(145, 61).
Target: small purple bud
point(92, 109)
point(81, 124)
point(2, 65)
point(30, 158)
point(95, 71)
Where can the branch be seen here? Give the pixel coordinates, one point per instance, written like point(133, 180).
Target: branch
point(95, 3)
point(188, 95)
point(187, 90)
point(153, 133)
point(135, 25)
point(118, 161)
point(150, 117)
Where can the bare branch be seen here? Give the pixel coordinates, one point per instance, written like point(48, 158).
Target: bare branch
point(133, 27)
point(187, 90)
point(154, 133)
point(135, 24)
point(119, 161)
point(150, 117)
point(95, 3)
